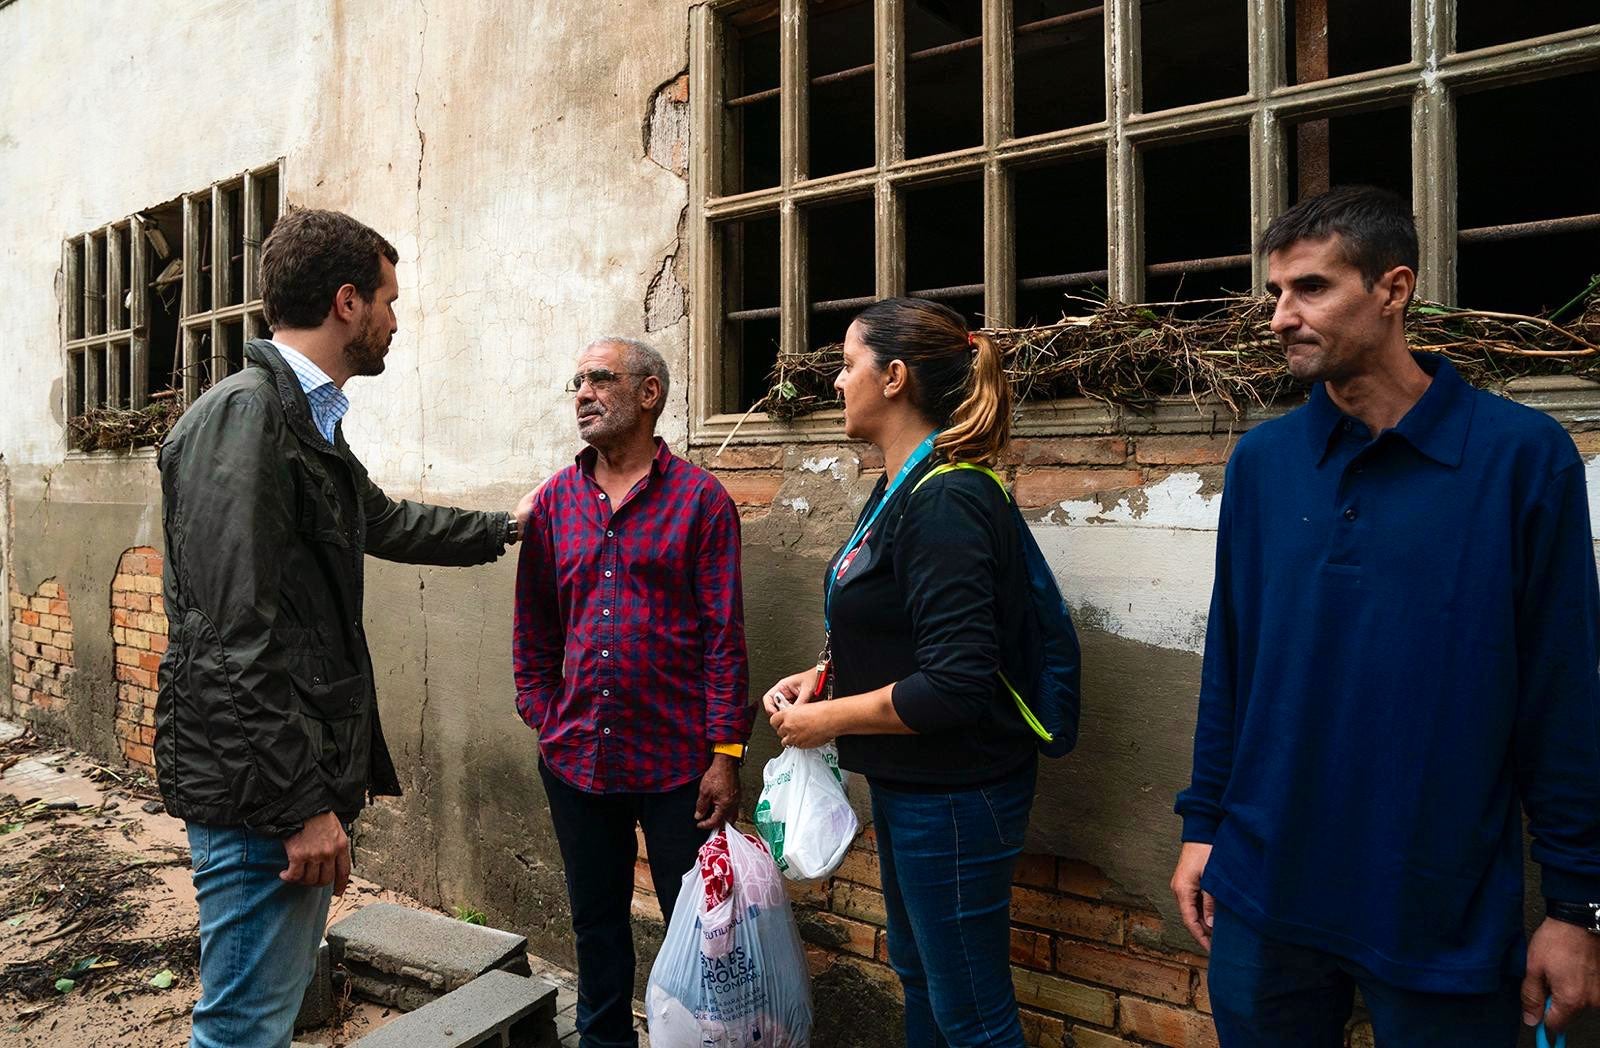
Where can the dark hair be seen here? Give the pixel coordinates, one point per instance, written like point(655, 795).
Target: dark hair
point(1375, 228)
point(308, 256)
point(958, 379)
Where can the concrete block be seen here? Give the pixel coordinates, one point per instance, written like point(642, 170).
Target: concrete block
point(497, 1009)
point(316, 1007)
point(407, 958)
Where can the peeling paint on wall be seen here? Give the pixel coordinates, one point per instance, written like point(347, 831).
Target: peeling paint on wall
point(1179, 501)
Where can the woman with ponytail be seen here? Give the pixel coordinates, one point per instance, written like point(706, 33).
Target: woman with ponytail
point(924, 607)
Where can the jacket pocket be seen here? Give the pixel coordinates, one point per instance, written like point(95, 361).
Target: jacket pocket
point(335, 700)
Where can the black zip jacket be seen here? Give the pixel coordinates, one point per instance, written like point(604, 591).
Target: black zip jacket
point(267, 713)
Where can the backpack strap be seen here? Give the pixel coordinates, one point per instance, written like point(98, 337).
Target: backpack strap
point(1028, 715)
point(947, 467)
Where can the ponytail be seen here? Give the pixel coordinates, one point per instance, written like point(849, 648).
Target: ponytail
point(958, 379)
point(980, 426)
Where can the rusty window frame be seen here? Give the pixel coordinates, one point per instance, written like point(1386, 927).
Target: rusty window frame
point(1428, 83)
point(92, 291)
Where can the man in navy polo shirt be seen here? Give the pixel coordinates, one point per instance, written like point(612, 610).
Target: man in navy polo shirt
point(1403, 645)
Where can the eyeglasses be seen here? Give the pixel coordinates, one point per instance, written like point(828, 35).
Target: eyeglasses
point(599, 378)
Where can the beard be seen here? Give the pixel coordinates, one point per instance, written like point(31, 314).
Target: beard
point(604, 424)
point(365, 353)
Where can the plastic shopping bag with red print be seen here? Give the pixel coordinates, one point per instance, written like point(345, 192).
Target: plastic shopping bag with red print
point(731, 973)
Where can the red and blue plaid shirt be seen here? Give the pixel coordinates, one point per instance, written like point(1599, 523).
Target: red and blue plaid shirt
point(628, 645)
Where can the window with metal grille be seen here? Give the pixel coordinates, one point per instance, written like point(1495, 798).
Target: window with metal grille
point(1000, 155)
point(159, 305)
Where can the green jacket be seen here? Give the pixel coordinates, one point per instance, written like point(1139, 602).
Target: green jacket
point(267, 713)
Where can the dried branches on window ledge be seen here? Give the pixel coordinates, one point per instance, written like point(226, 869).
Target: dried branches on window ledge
point(122, 429)
point(1222, 351)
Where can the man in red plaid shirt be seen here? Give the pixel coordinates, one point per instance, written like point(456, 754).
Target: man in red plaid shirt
point(630, 663)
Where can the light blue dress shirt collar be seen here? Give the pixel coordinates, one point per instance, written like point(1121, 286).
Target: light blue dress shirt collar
point(328, 401)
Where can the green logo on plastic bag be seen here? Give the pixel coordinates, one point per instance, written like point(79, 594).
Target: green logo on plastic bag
point(771, 831)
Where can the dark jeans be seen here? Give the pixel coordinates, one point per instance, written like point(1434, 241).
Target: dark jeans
point(1270, 994)
point(598, 849)
point(946, 861)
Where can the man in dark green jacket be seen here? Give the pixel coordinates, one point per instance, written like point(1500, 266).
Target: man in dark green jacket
point(268, 742)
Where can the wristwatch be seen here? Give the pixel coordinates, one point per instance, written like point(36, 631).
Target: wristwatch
point(513, 531)
point(1585, 915)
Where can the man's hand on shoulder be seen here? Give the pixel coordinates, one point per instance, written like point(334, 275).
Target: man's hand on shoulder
point(719, 793)
point(1197, 906)
point(523, 511)
point(1563, 967)
point(319, 854)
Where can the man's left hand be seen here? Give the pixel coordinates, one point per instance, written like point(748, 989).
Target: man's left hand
point(719, 793)
point(1563, 966)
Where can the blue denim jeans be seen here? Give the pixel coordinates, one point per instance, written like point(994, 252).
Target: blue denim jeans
point(258, 938)
point(1266, 993)
point(946, 861)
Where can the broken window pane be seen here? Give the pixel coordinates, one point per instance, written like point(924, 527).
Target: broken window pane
point(944, 245)
point(750, 307)
point(1528, 214)
point(1059, 65)
point(1060, 236)
point(1193, 51)
point(163, 228)
point(200, 274)
point(121, 297)
point(1197, 219)
point(750, 84)
point(1327, 38)
point(233, 345)
point(944, 77)
point(122, 373)
point(1371, 149)
point(232, 220)
point(840, 43)
point(197, 348)
point(94, 286)
point(96, 397)
point(267, 200)
point(840, 267)
point(75, 289)
point(77, 384)
point(1484, 23)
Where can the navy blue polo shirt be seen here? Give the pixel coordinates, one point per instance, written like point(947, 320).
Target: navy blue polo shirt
point(1402, 653)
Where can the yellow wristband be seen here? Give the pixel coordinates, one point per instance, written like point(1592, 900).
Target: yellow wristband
point(731, 749)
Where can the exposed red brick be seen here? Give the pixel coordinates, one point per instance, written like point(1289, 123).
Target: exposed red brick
point(1196, 450)
point(1080, 878)
point(1166, 1025)
point(1083, 1037)
point(1036, 871)
point(755, 457)
point(862, 903)
point(855, 937)
point(871, 457)
point(859, 865)
point(1074, 451)
point(1030, 949)
point(1076, 917)
point(1124, 971)
point(1046, 486)
point(1051, 993)
point(139, 753)
point(1042, 1031)
point(751, 488)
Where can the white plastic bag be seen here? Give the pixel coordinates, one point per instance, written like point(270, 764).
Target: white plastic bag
point(731, 972)
point(804, 815)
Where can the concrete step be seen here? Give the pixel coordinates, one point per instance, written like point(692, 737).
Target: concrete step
point(495, 1010)
point(407, 958)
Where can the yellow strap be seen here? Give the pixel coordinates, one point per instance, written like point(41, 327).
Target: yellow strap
point(1022, 707)
point(732, 749)
point(946, 467)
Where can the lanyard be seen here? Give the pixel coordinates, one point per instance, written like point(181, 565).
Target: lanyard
point(841, 560)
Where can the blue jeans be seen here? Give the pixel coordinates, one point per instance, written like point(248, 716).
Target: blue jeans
point(1266, 993)
point(946, 861)
point(258, 938)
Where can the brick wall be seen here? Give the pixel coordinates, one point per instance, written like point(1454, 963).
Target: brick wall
point(138, 638)
point(1041, 471)
point(41, 649)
